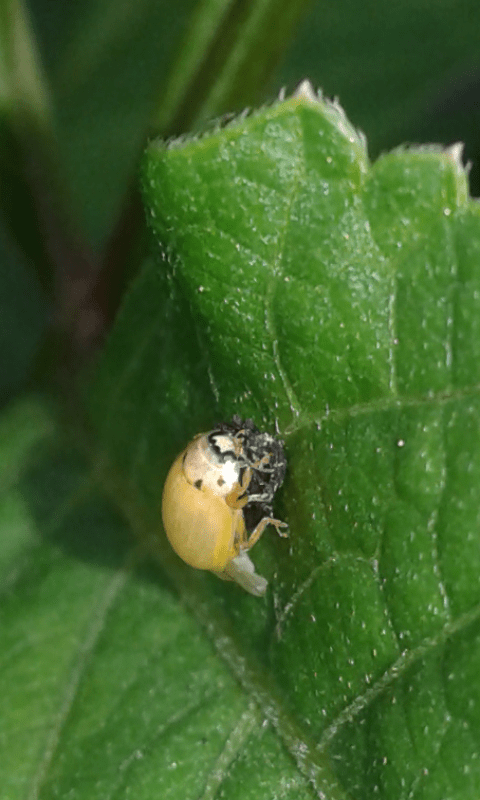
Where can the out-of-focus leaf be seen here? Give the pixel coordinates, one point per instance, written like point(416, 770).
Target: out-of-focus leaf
point(22, 88)
point(22, 318)
point(110, 62)
point(126, 68)
point(229, 52)
point(26, 139)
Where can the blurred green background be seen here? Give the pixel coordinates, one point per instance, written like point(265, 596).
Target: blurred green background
point(404, 72)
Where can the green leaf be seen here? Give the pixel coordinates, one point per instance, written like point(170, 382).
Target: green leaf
point(228, 53)
point(119, 71)
point(299, 285)
point(107, 63)
point(27, 142)
point(22, 315)
point(23, 92)
point(108, 685)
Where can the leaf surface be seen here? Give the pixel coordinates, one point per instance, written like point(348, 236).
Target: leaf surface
point(296, 284)
point(339, 301)
point(108, 685)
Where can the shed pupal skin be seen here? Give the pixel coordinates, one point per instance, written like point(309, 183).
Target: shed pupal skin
point(217, 500)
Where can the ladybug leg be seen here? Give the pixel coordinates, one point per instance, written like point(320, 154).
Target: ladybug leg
point(238, 442)
point(237, 497)
point(255, 535)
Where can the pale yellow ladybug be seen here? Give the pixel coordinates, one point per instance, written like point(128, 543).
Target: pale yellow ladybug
point(217, 500)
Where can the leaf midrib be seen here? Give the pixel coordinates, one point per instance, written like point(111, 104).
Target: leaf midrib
point(380, 404)
point(396, 671)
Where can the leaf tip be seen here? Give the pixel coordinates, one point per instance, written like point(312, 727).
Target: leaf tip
point(332, 108)
point(305, 91)
point(455, 153)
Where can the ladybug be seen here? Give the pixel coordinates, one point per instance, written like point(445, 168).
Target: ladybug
point(217, 499)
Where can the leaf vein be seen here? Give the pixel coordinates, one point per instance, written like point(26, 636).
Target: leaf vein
point(396, 671)
point(101, 606)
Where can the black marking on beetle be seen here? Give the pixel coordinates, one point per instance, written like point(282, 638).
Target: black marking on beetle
point(198, 484)
point(222, 455)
